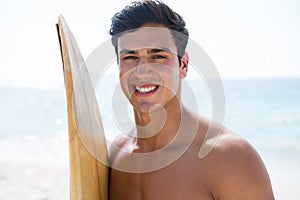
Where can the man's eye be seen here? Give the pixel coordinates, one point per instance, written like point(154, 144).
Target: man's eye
point(129, 58)
point(158, 57)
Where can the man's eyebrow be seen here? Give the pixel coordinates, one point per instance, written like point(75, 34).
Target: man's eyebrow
point(125, 51)
point(153, 50)
point(161, 49)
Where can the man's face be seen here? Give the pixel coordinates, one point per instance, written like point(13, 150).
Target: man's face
point(149, 69)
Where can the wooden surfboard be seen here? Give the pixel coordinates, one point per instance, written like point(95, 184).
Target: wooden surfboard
point(87, 145)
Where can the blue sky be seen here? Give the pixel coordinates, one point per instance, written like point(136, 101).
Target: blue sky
point(245, 39)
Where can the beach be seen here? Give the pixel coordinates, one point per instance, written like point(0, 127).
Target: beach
point(37, 169)
point(34, 161)
point(34, 168)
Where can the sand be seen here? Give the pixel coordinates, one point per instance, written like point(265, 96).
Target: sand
point(37, 168)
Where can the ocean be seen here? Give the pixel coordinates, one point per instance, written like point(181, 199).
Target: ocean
point(34, 140)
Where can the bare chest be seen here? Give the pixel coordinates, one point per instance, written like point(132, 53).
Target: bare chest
point(178, 181)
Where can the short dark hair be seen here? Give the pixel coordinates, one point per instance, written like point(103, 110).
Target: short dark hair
point(142, 12)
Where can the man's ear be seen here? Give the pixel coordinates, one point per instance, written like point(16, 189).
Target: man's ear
point(184, 65)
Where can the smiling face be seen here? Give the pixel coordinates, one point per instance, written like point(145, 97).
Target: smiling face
point(150, 73)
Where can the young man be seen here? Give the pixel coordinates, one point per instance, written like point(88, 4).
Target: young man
point(159, 159)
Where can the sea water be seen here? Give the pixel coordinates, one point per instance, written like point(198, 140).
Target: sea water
point(34, 142)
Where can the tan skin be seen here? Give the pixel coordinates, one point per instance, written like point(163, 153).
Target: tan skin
point(232, 170)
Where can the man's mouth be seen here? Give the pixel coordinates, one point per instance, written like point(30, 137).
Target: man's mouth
point(145, 89)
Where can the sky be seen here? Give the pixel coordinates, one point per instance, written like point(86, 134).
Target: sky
point(244, 39)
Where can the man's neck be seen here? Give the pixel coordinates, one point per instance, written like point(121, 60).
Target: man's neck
point(158, 127)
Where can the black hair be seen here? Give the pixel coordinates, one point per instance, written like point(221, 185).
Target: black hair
point(142, 12)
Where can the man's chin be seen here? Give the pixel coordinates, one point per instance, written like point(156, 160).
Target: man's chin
point(147, 108)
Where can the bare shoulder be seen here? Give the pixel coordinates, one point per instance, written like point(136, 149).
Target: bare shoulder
point(241, 172)
point(120, 141)
point(230, 143)
point(119, 144)
point(236, 151)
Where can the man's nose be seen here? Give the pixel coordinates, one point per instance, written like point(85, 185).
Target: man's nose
point(143, 67)
point(143, 60)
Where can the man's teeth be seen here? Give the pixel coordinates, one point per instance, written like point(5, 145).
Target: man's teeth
point(145, 89)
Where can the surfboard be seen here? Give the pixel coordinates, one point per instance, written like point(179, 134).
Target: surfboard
point(87, 146)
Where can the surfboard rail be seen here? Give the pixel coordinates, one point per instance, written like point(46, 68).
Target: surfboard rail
point(87, 146)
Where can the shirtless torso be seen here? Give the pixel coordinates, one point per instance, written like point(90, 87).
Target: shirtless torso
point(232, 170)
